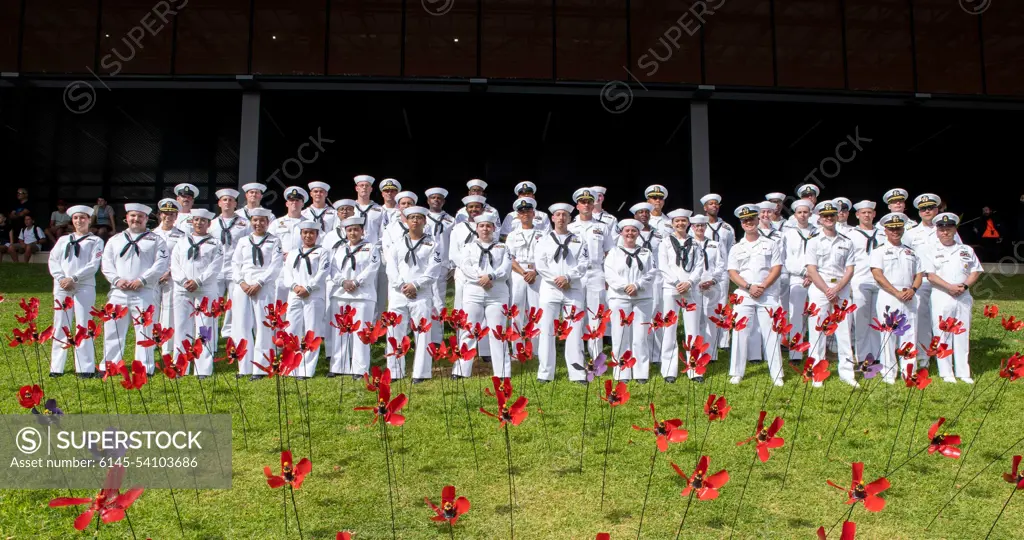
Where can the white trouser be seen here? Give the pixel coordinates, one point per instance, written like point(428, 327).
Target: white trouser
point(438, 296)
point(818, 339)
point(758, 320)
point(350, 356)
point(410, 310)
point(595, 294)
point(526, 296)
point(891, 342)
point(784, 290)
point(166, 310)
point(924, 315)
point(382, 292)
point(115, 332)
point(330, 333)
point(655, 338)
point(866, 341)
point(187, 327)
point(487, 313)
point(554, 302)
point(84, 297)
point(250, 312)
point(723, 297)
point(958, 307)
point(483, 348)
point(670, 342)
point(224, 291)
point(304, 315)
point(797, 299)
point(709, 300)
point(635, 334)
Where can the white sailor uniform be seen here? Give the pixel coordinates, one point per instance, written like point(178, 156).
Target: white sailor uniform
point(415, 263)
point(484, 306)
point(953, 264)
point(441, 224)
point(76, 257)
point(511, 223)
point(754, 261)
point(373, 227)
point(725, 235)
point(285, 228)
point(228, 232)
point(795, 243)
point(713, 269)
point(359, 264)
point(308, 268)
point(200, 259)
point(165, 308)
point(522, 244)
point(561, 256)
point(864, 291)
point(624, 267)
point(599, 242)
point(325, 218)
point(831, 256)
point(257, 261)
point(679, 260)
point(900, 265)
point(462, 235)
point(923, 239)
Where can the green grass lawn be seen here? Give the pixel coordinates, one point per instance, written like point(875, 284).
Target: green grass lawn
point(347, 489)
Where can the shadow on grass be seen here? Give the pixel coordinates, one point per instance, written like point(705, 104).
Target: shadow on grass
point(618, 516)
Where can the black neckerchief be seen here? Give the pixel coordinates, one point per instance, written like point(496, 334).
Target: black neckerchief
point(770, 236)
point(438, 223)
point(132, 244)
point(871, 241)
point(319, 219)
point(714, 231)
point(411, 249)
point(683, 251)
point(257, 253)
point(562, 251)
point(486, 252)
point(225, 232)
point(363, 211)
point(472, 234)
point(341, 239)
point(351, 255)
point(194, 248)
point(73, 245)
point(704, 251)
point(646, 242)
point(631, 256)
point(305, 256)
point(246, 212)
point(804, 239)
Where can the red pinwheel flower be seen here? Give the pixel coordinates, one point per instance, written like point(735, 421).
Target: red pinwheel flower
point(686, 307)
point(951, 325)
point(30, 396)
point(31, 309)
point(280, 364)
point(625, 361)
point(577, 315)
point(390, 318)
point(849, 531)
point(93, 331)
point(31, 335)
point(510, 312)
point(707, 486)
point(438, 351)
point(617, 396)
point(386, 407)
point(160, 336)
point(1015, 476)
point(345, 321)
point(377, 378)
point(275, 316)
point(766, 439)
point(907, 351)
point(504, 388)
point(524, 351)
point(992, 311)
point(110, 503)
point(70, 339)
point(780, 323)
point(529, 331)
point(666, 431)
point(69, 303)
point(423, 326)
point(343, 535)
point(451, 508)
point(593, 333)
point(811, 309)
point(172, 369)
point(603, 313)
point(478, 331)
point(1012, 324)
point(232, 352)
point(1012, 368)
point(842, 310)
point(41, 337)
point(937, 350)
point(735, 299)
point(816, 371)
point(144, 318)
point(505, 335)
point(218, 307)
point(203, 307)
point(20, 338)
point(311, 342)
point(699, 365)
point(943, 443)
point(398, 350)
point(726, 319)
point(134, 378)
point(370, 334)
point(716, 409)
point(562, 329)
point(534, 315)
point(109, 312)
point(113, 369)
point(917, 379)
point(458, 318)
point(829, 324)
point(796, 345)
point(292, 474)
point(192, 349)
point(859, 492)
point(507, 414)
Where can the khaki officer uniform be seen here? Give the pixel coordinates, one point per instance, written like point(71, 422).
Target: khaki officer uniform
point(166, 307)
point(306, 268)
point(199, 259)
point(863, 287)
point(78, 258)
point(358, 264)
point(901, 266)
point(831, 257)
point(257, 261)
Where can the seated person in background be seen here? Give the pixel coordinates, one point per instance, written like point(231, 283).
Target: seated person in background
point(5, 237)
point(60, 222)
point(103, 224)
point(21, 209)
point(30, 240)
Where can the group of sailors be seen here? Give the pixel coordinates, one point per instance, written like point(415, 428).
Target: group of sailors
point(576, 265)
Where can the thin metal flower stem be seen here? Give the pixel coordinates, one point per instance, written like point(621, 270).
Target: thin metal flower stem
point(994, 404)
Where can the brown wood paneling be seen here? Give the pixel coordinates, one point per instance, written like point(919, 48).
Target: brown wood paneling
point(948, 49)
point(366, 37)
point(665, 41)
point(213, 37)
point(60, 36)
point(440, 38)
point(288, 37)
point(878, 45)
point(590, 39)
point(135, 37)
point(809, 43)
point(516, 39)
point(738, 43)
point(1003, 31)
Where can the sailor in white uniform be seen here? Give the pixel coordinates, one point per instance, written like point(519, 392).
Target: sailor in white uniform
point(305, 273)
point(599, 242)
point(809, 193)
point(896, 200)
point(228, 228)
point(778, 199)
point(133, 262)
point(257, 260)
point(843, 218)
point(650, 238)
point(522, 243)
point(441, 225)
point(898, 271)
point(601, 214)
point(630, 271)
point(952, 269)
point(168, 215)
point(285, 228)
point(512, 222)
point(196, 263)
point(253, 197)
point(476, 188)
point(681, 263)
point(186, 196)
point(830, 263)
point(74, 261)
point(796, 238)
point(486, 265)
point(755, 264)
point(354, 272)
point(923, 240)
point(318, 210)
point(412, 268)
point(335, 238)
point(656, 195)
point(708, 293)
point(719, 231)
point(389, 190)
point(395, 231)
point(374, 214)
point(562, 261)
point(863, 288)
point(463, 233)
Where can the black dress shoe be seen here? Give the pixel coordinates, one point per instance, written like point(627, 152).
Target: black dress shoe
point(256, 377)
point(239, 375)
point(543, 381)
point(670, 380)
point(331, 374)
point(202, 377)
point(86, 375)
point(356, 377)
point(417, 381)
point(301, 378)
point(641, 381)
point(54, 374)
point(758, 361)
point(454, 377)
point(698, 379)
point(486, 359)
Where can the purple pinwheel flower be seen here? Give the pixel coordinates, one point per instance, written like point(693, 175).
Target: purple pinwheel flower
point(206, 334)
point(50, 414)
point(595, 367)
point(899, 323)
point(869, 367)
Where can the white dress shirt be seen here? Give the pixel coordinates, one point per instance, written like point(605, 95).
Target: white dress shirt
point(360, 264)
point(324, 217)
point(131, 256)
point(476, 263)
point(686, 265)
point(76, 257)
point(258, 259)
point(200, 260)
point(624, 267)
point(754, 261)
point(413, 262)
point(831, 255)
point(286, 230)
point(899, 264)
point(541, 222)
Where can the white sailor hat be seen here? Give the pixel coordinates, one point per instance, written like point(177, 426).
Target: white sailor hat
point(894, 220)
point(318, 184)
point(630, 223)
point(487, 217)
point(364, 178)
point(343, 202)
point(308, 224)
point(254, 185)
point(390, 183)
point(864, 204)
point(526, 185)
point(746, 211)
point(946, 219)
point(348, 222)
point(711, 197)
point(407, 195)
point(895, 195)
point(767, 205)
point(168, 205)
point(414, 210)
point(925, 201)
point(583, 193)
point(656, 190)
point(474, 199)
point(296, 192)
point(843, 203)
point(826, 208)
point(437, 191)
point(601, 190)
point(807, 189)
point(801, 202)
point(202, 213)
point(186, 190)
point(227, 192)
point(136, 207)
point(524, 203)
point(775, 196)
point(260, 212)
point(680, 212)
point(476, 182)
point(560, 206)
point(640, 206)
point(699, 219)
point(79, 209)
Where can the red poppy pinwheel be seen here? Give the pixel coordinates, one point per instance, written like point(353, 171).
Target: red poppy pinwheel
point(390, 318)
point(917, 380)
point(172, 369)
point(796, 345)
point(766, 439)
point(1012, 368)
point(398, 350)
point(310, 342)
point(292, 474)
point(134, 378)
point(30, 396)
point(811, 309)
point(626, 361)
point(387, 408)
point(507, 414)
point(991, 311)
point(562, 329)
point(377, 378)
point(943, 443)
point(113, 369)
point(280, 364)
point(160, 336)
point(861, 492)
point(275, 317)
point(144, 318)
point(725, 318)
point(716, 408)
point(1012, 324)
point(593, 333)
point(345, 321)
point(509, 312)
point(343, 535)
point(451, 508)
point(92, 330)
point(619, 395)
point(506, 335)
point(666, 431)
point(1015, 476)
point(423, 327)
point(829, 324)
point(202, 308)
point(814, 370)
point(232, 352)
point(31, 309)
point(706, 485)
point(951, 325)
point(370, 334)
point(936, 349)
point(109, 502)
point(502, 386)
point(907, 351)
point(66, 305)
point(849, 531)
point(109, 312)
point(686, 307)
point(524, 351)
